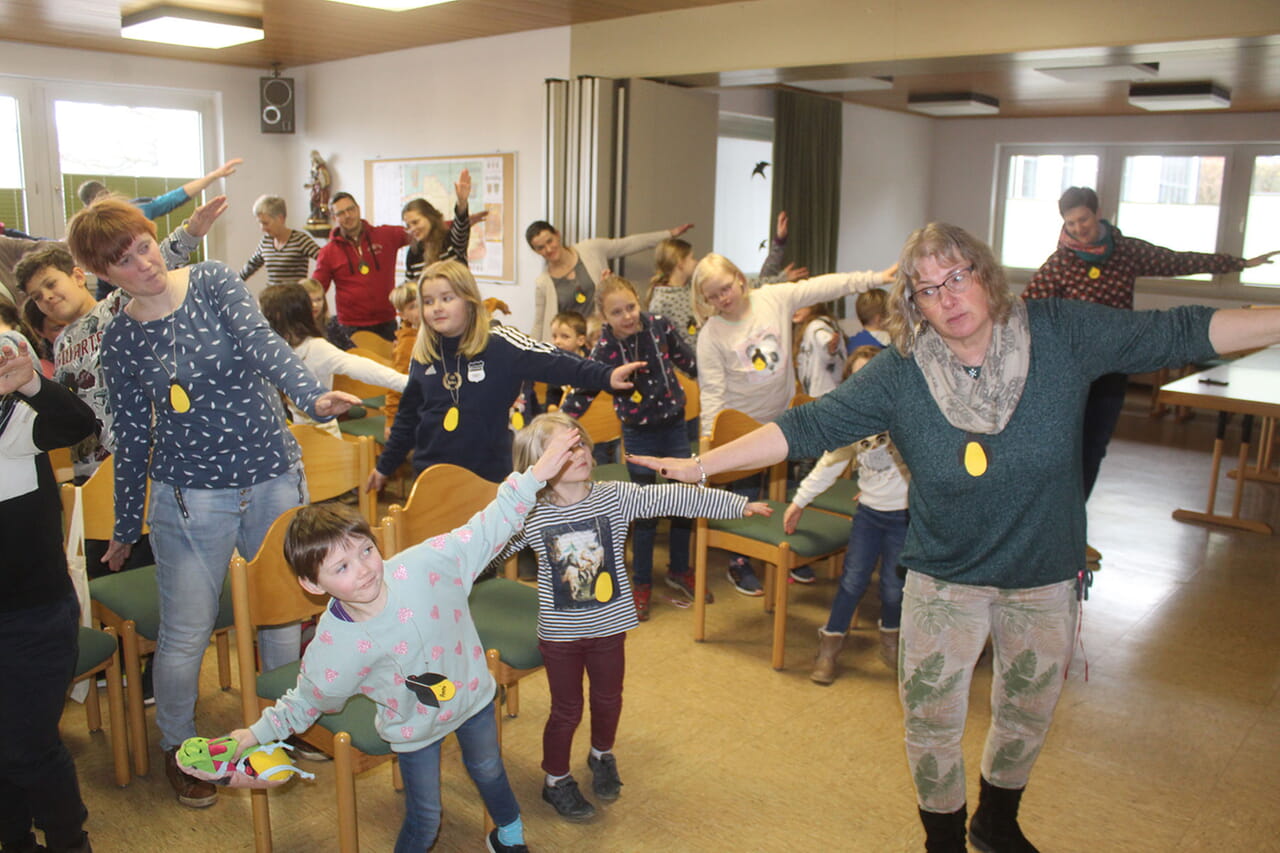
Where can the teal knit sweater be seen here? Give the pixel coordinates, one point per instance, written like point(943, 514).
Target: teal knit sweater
point(1022, 523)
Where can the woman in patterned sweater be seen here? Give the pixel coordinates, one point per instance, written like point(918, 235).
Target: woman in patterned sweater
point(192, 368)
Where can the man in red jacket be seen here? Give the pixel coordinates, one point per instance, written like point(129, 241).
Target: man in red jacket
point(360, 261)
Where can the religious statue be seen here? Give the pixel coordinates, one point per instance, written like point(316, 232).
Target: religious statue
point(319, 186)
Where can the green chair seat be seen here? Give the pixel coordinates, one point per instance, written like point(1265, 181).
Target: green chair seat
point(95, 647)
point(817, 534)
point(506, 617)
point(375, 402)
point(356, 718)
point(373, 426)
point(612, 471)
point(133, 594)
point(841, 498)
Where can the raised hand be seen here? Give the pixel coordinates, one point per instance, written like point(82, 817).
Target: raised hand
point(556, 455)
point(202, 218)
point(463, 189)
point(17, 371)
point(618, 379)
point(680, 229)
point(781, 230)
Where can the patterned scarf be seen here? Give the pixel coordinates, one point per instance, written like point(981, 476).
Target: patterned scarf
point(1091, 253)
point(983, 404)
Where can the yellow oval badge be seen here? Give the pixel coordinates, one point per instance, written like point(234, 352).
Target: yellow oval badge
point(604, 587)
point(517, 421)
point(1094, 272)
point(975, 459)
point(178, 399)
point(759, 363)
point(451, 419)
point(580, 297)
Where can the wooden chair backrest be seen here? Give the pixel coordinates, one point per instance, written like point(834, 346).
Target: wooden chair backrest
point(800, 399)
point(600, 420)
point(335, 466)
point(443, 497)
point(351, 385)
point(373, 342)
point(729, 425)
point(372, 355)
point(98, 496)
point(60, 460)
point(692, 397)
point(540, 391)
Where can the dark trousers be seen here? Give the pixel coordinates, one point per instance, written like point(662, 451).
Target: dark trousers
point(38, 784)
point(1101, 414)
point(386, 330)
point(603, 660)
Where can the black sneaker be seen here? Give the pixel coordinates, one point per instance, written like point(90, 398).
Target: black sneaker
point(568, 801)
point(604, 772)
point(495, 846)
point(744, 580)
point(803, 574)
point(683, 581)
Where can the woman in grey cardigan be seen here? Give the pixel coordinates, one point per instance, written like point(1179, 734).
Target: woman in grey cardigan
point(984, 397)
point(569, 281)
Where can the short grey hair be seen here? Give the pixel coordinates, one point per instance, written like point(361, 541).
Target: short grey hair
point(271, 205)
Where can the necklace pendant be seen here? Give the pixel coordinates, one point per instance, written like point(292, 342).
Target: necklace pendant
point(604, 587)
point(451, 419)
point(179, 400)
point(364, 269)
point(579, 297)
point(974, 456)
point(636, 396)
point(517, 421)
point(1094, 272)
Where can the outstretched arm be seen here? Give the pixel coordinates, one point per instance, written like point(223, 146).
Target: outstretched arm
point(756, 449)
point(1235, 329)
point(192, 188)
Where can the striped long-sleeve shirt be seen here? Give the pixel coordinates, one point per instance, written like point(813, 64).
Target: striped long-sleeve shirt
point(583, 588)
point(285, 264)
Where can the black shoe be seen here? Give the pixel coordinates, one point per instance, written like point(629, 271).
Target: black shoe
point(568, 801)
point(302, 749)
point(944, 833)
point(744, 580)
point(994, 828)
point(26, 845)
point(493, 845)
point(604, 776)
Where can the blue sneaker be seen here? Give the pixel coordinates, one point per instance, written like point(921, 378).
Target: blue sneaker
point(744, 580)
point(803, 574)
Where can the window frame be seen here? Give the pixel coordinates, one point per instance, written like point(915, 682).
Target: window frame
point(1237, 177)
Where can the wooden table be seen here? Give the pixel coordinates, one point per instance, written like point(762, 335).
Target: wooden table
point(1249, 386)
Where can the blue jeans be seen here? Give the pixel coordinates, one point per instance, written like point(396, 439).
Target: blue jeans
point(37, 774)
point(481, 755)
point(1101, 414)
point(193, 534)
point(875, 534)
point(664, 441)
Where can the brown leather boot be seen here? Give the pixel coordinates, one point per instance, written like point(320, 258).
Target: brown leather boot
point(192, 792)
point(889, 647)
point(824, 665)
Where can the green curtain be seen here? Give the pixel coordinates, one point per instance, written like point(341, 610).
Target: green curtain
point(807, 138)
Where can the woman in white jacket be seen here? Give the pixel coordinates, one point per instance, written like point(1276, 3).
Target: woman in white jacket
point(569, 281)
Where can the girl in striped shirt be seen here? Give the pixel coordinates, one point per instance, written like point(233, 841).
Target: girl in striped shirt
point(578, 531)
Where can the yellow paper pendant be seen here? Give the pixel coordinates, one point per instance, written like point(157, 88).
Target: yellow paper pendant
point(975, 459)
point(179, 401)
point(445, 690)
point(580, 297)
point(758, 362)
point(693, 328)
point(604, 587)
point(636, 396)
point(517, 421)
point(451, 419)
point(1094, 272)
point(364, 269)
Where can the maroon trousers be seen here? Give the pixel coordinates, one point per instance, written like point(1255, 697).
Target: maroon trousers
point(603, 660)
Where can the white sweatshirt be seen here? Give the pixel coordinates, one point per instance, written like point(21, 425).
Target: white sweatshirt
point(323, 359)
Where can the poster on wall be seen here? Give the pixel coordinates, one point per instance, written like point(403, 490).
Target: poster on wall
point(491, 254)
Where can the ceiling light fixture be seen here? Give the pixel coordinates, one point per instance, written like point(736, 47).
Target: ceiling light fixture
point(190, 27)
point(1103, 73)
point(848, 84)
point(1160, 97)
point(392, 5)
point(950, 104)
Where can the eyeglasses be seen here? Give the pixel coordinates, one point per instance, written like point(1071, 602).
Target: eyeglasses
point(957, 282)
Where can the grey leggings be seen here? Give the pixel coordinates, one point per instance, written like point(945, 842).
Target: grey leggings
point(944, 627)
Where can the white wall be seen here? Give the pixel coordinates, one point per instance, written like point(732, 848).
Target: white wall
point(235, 95)
point(436, 101)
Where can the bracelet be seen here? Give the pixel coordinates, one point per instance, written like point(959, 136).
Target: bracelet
point(702, 474)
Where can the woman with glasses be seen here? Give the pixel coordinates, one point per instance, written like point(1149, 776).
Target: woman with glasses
point(983, 395)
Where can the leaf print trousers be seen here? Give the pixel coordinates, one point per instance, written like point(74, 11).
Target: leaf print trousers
point(944, 628)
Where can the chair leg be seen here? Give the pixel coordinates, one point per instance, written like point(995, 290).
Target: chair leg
point(699, 582)
point(344, 779)
point(397, 778)
point(513, 699)
point(222, 642)
point(115, 713)
point(137, 718)
point(771, 581)
point(780, 615)
point(261, 821)
point(92, 707)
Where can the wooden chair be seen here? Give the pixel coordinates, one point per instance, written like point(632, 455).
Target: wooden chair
point(372, 397)
point(372, 355)
point(265, 592)
point(819, 537)
point(505, 611)
point(63, 469)
point(602, 424)
point(100, 654)
point(129, 603)
point(373, 342)
point(335, 466)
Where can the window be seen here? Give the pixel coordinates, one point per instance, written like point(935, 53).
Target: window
point(1031, 219)
point(743, 198)
point(13, 206)
point(1262, 221)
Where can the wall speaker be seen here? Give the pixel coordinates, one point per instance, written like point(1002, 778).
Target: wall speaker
point(275, 104)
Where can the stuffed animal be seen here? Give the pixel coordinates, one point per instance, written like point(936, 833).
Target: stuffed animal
point(260, 766)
